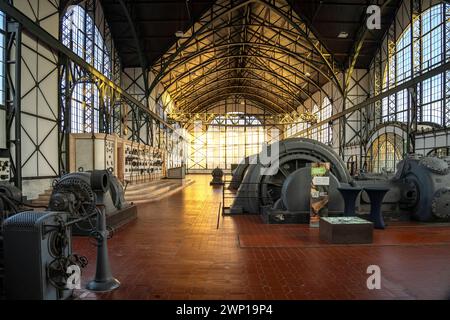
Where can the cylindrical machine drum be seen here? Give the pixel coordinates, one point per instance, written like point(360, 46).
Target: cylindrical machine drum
point(258, 189)
point(295, 195)
point(100, 180)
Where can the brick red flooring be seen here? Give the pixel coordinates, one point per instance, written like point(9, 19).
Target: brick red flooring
point(173, 251)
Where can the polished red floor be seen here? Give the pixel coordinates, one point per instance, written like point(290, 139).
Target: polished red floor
point(174, 251)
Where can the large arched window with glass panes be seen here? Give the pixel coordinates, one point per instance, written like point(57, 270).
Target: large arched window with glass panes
point(226, 140)
point(419, 48)
point(82, 36)
point(315, 131)
point(322, 133)
point(325, 135)
point(385, 152)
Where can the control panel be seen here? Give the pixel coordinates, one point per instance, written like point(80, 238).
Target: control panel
point(109, 154)
point(131, 160)
point(142, 162)
point(157, 162)
point(5, 166)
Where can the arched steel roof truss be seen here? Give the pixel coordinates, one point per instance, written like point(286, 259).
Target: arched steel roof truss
point(257, 49)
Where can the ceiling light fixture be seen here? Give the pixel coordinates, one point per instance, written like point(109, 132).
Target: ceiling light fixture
point(308, 74)
point(179, 34)
point(343, 35)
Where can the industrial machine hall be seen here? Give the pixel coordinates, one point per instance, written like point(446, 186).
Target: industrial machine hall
point(224, 150)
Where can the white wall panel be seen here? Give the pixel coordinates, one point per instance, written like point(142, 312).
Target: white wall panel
point(39, 88)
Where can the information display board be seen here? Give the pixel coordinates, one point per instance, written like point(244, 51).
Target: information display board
point(320, 183)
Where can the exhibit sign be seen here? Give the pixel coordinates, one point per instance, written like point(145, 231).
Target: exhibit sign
point(320, 183)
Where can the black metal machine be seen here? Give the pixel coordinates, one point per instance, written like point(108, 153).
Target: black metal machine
point(10, 204)
point(80, 191)
point(287, 190)
point(238, 174)
point(38, 253)
point(420, 189)
point(217, 175)
point(38, 244)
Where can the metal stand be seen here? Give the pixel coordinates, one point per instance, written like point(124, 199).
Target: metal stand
point(104, 280)
point(376, 196)
point(349, 194)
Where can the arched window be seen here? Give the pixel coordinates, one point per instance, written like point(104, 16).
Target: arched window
point(225, 141)
point(398, 68)
point(419, 49)
point(233, 137)
point(322, 133)
point(325, 129)
point(299, 127)
point(315, 131)
point(385, 152)
point(296, 127)
point(440, 152)
point(85, 108)
point(82, 36)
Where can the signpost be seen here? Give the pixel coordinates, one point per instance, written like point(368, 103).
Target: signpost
point(320, 183)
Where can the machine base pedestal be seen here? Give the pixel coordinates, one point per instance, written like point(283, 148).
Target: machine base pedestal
point(104, 286)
